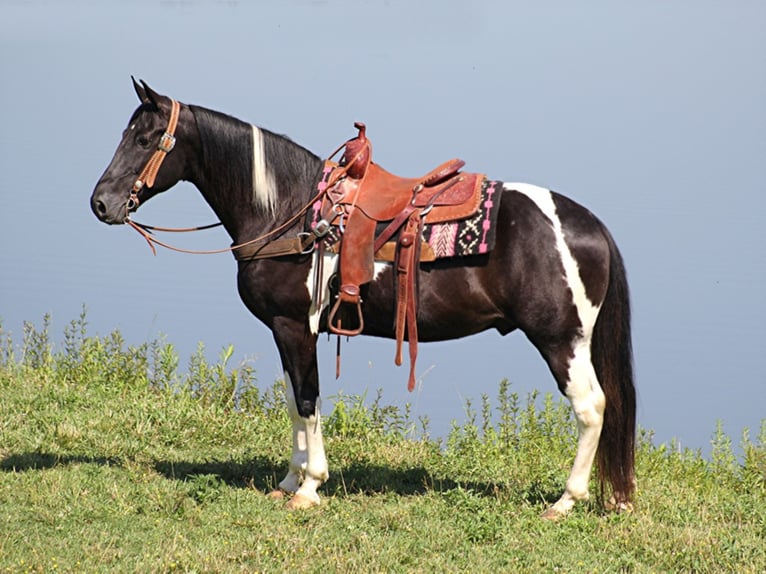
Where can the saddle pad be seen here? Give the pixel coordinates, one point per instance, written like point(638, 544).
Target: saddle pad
point(472, 236)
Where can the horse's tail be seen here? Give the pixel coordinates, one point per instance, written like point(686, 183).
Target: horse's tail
point(612, 355)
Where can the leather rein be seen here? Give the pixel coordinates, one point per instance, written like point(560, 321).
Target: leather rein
point(303, 243)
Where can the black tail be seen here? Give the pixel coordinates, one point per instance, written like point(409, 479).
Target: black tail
point(612, 355)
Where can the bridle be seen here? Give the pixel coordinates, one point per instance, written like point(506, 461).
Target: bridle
point(149, 173)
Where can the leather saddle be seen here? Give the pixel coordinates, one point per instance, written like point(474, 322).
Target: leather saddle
point(361, 198)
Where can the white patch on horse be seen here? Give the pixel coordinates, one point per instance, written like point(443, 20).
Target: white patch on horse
point(542, 197)
point(379, 267)
point(588, 403)
point(308, 463)
point(329, 266)
point(264, 188)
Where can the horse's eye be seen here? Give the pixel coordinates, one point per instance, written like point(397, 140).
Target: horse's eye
point(142, 140)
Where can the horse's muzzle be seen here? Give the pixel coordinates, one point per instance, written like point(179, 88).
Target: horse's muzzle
point(108, 212)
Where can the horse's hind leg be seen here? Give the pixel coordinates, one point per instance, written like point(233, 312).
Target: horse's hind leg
point(576, 377)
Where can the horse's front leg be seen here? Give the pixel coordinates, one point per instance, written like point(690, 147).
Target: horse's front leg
point(308, 464)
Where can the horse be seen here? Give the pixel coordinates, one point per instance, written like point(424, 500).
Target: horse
point(555, 273)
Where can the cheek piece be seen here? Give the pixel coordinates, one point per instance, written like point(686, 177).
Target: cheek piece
point(149, 173)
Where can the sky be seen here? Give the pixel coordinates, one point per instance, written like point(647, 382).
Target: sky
point(652, 114)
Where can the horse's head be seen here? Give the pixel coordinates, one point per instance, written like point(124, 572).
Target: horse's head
point(147, 160)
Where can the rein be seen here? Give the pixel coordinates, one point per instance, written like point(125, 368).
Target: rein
point(302, 243)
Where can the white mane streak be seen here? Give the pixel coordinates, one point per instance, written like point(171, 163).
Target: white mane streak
point(264, 188)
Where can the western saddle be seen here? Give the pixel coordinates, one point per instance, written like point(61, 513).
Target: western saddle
point(361, 198)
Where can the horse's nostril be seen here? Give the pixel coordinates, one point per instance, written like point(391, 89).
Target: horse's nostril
point(99, 208)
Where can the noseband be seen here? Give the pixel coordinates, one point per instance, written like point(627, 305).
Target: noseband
point(149, 173)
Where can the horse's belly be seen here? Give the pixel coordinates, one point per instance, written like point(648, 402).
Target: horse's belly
point(452, 303)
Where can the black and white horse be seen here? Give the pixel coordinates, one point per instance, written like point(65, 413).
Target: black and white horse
point(555, 273)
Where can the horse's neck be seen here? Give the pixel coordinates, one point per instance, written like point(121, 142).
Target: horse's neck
point(232, 154)
point(294, 173)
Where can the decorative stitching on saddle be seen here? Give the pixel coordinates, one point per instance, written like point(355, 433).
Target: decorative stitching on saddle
point(472, 236)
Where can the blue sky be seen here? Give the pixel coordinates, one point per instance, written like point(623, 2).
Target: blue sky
point(651, 114)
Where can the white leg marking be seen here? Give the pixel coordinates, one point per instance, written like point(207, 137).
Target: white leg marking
point(264, 188)
point(308, 464)
point(588, 403)
point(586, 311)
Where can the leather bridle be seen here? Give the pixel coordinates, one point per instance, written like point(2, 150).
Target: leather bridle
point(149, 173)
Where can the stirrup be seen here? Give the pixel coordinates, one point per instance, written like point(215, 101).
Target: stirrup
point(338, 329)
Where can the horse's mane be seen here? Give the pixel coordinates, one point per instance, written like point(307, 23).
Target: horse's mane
point(267, 165)
point(226, 141)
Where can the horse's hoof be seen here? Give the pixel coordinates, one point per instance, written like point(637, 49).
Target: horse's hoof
point(277, 494)
point(552, 515)
point(301, 502)
point(618, 507)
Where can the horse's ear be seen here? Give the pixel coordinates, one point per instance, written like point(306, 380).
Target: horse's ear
point(151, 96)
point(146, 94)
point(140, 91)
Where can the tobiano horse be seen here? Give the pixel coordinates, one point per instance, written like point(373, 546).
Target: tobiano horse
point(554, 272)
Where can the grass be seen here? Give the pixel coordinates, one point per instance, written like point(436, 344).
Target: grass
point(111, 460)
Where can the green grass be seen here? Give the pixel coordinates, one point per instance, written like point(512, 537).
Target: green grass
point(112, 460)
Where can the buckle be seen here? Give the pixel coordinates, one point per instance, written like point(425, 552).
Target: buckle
point(321, 228)
point(167, 143)
point(304, 236)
